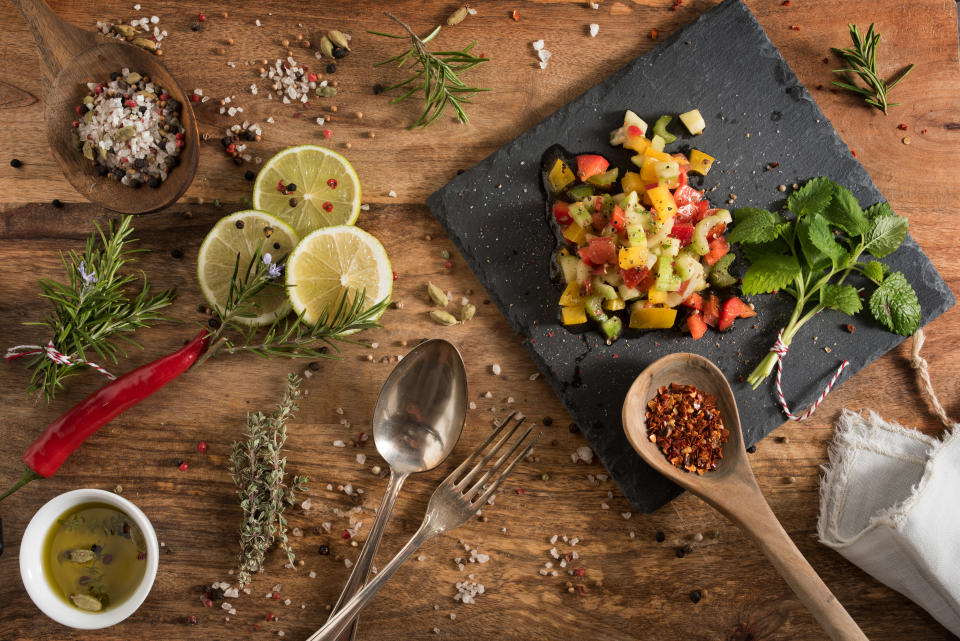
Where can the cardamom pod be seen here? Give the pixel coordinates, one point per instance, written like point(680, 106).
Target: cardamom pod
point(86, 602)
point(81, 556)
point(132, 78)
point(124, 133)
point(326, 46)
point(124, 30)
point(467, 312)
point(326, 91)
point(88, 100)
point(145, 43)
point(88, 151)
point(338, 38)
point(437, 295)
point(457, 16)
point(441, 317)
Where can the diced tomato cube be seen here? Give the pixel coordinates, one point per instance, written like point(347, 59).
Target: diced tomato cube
point(619, 220)
point(561, 211)
point(686, 214)
point(716, 231)
point(682, 178)
point(682, 232)
point(599, 251)
point(647, 282)
point(738, 308)
point(702, 208)
point(632, 277)
point(599, 221)
point(711, 310)
point(686, 195)
point(694, 301)
point(696, 325)
point(598, 204)
point(590, 165)
point(718, 249)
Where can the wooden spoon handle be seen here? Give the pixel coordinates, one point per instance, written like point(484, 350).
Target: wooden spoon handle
point(776, 544)
point(58, 40)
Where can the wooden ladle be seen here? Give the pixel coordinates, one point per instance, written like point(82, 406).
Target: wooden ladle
point(732, 488)
point(69, 59)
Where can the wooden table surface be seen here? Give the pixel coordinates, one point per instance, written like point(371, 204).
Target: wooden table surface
point(635, 588)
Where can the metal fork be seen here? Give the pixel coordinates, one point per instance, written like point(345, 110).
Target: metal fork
point(454, 502)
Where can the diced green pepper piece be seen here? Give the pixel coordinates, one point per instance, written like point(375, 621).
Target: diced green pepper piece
point(720, 273)
point(612, 327)
point(593, 305)
point(667, 281)
point(581, 191)
point(660, 129)
point(605, 179)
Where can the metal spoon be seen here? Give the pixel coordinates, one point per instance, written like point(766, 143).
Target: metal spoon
point(416, 424)
point(69, 59)
point(732, 488)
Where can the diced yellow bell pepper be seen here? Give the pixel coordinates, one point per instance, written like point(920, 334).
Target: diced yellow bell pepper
point(573, 315)
point(662, 200)
point(571, 296)
point(630, 257)
point(637, 143)
point(652, 318)
point(657, 297)
point(659, 155)
point(560, 175)
point(693, 121)
point(614, 304)
point(564, 252)
point(700, 162)
point(575, 234)
point(632, 181)
point(648, 169)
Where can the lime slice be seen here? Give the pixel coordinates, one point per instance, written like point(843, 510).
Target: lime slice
point(326, 189)
point(242, 234)
point(332, 261)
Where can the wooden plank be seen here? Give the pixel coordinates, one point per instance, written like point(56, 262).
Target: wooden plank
point(635, 587)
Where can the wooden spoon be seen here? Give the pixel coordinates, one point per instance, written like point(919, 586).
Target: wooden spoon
point(69, 59)
point(731, 488)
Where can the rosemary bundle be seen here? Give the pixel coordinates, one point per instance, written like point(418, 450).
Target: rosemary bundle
point(259, 472)
point(437, 75)
point(862, 61)
point(93, 312)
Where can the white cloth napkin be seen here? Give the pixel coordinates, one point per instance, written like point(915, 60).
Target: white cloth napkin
point(890, 504)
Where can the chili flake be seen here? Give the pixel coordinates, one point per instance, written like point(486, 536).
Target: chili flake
point(687, 427)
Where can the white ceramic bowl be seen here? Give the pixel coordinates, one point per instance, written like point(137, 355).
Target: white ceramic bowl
point(31, 561)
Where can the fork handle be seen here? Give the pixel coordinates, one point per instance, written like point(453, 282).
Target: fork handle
point(340, 621)
point(361, 569)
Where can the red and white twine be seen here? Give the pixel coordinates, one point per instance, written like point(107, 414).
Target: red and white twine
point(19, 351)
point(780, 349)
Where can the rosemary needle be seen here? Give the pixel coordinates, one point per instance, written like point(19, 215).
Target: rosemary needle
point(862, 58)
point(437, 76)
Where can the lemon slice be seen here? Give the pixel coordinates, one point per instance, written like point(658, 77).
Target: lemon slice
point(241, 234)
point(332, 261)
point(309, 187)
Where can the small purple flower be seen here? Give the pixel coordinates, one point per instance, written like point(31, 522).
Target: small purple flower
point(267, 258)
point(88, 278)
point(276, 271)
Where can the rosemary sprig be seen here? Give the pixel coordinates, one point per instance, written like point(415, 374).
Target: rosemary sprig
point(287, 336)
point(437, 75)
point(259, 472)
point(862, 58)
point(92, 311)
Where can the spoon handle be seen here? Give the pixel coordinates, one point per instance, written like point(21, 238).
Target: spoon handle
point(777, 545)
point(361, 569)
point(58, 40)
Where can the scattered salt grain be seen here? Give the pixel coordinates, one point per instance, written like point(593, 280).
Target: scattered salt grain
point(473, 405)
point(594, 30)
point(348, 563)
point(339, 443)
point(361, 458)
point(626, 515)
point(604, 506)
point(495, 368)
point(392, 193)
point(312, 574)
point(471, 11)
point(537, 45)
point(488, 395)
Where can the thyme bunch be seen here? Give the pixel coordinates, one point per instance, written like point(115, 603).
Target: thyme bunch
point(259, 473)
point(94, 311)
point(862, 61)
point(437, 75)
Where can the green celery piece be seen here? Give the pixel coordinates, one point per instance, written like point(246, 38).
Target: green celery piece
point(660, 129)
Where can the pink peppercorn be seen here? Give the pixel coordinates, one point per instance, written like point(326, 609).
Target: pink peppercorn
point(275, 596)
point(311, 77)
point(327, 133)
point(202, 447)
point(269, 616)
point(579, 572)
point(201, 17)
point(448, 264)
point(346, 534)
point(195, 98)
point(396, 276)
point(183, 466)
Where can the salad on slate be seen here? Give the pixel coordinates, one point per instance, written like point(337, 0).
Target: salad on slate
point(639, 246)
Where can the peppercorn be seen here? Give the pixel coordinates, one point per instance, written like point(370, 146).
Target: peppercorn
point(177, 253)
point(154, 182)
point(214, 323)
point(195, 26)
point(324, 550)
point(238, 160)
point(15, 163)
point(339, 52)
point(101, 170)
point(547, 421)
point(331, 68)
point(695, 596)
point(377, 89)
point(293, 202)
point(660, 537)
point(574, 428)
point(249, 175)
point(291, 187)
point(751, 449)
point(226, 140)
point(56, 203)
point(680, 553)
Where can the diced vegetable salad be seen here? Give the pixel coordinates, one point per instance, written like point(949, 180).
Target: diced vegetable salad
point(641, 245)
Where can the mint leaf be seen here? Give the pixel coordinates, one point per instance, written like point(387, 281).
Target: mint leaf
point(819, 246)
point(754, 226)
point(880, 210)
point(844, 212)
point(770, 273)
point(843, 298)
point(875, 271)
point(895, 306)
point(812, 198)
point(886, 235)
point(775, 248)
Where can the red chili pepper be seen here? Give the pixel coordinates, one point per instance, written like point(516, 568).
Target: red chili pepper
point(45, 456)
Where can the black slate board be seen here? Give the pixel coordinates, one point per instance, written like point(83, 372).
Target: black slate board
point(757, 112)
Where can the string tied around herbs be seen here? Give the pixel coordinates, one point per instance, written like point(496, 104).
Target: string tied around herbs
point(780, 349)
point(51, 352)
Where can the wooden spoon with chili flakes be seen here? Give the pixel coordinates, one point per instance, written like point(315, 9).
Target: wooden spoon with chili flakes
point(731, 488)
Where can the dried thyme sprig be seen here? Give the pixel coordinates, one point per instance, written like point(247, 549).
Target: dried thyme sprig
point(862, 58)
point(93, 311)
point(287, 336)
point(259, 472)
point(437, 75)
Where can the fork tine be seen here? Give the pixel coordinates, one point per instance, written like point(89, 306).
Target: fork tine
point(516, 461)
point(497, 465)
point(486, 457)
point(473, 455)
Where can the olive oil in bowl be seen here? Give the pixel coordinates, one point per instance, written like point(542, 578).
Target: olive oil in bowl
point(94, 556)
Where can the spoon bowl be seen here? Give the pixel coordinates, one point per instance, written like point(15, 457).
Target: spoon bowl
point(732, 488)
point(70, 58)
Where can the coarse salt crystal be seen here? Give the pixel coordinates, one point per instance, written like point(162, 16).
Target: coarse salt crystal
point(361, 458)
point(471, 11)
point(473, 405)
point(604, 506)
point(257, 22)
point(488, 395)
point(626, 515)
point(392, 193)
point(312, 574)
point(537, 45)
point(495, 368)
point(348, 563)
point(339, 443)
point(544, 55)
point(154, 19)
point(594, 30)
point(553, 539)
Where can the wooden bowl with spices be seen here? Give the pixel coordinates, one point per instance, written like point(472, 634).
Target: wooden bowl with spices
point(682, 407)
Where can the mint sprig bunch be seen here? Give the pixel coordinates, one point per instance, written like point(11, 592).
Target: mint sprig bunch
point(811, 251)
